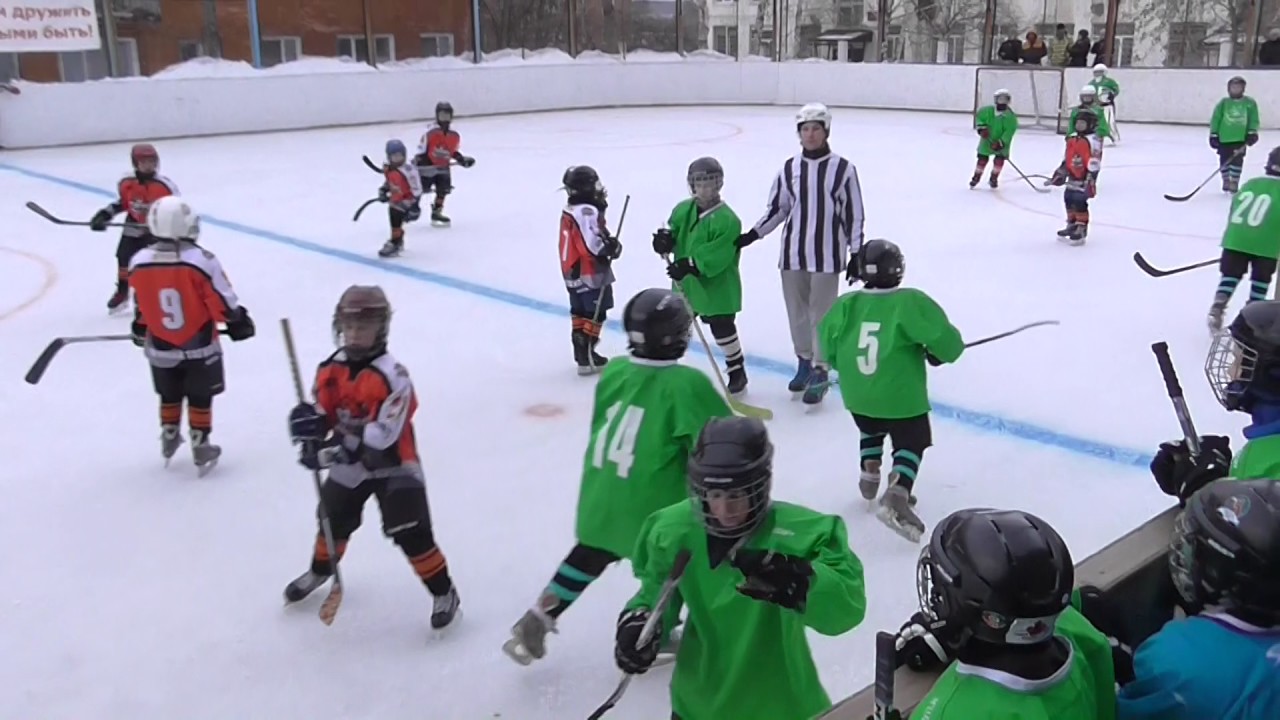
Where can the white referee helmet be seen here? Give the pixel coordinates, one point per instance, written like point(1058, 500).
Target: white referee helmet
point(814, 112)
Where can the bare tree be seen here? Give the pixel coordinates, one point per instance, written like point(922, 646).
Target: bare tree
point(531, 24)
point(934, 21)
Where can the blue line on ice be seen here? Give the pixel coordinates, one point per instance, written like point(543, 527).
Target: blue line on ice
point(980, 420)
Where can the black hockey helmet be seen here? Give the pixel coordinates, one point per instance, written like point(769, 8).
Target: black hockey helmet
point(1273, 162)
point(657, 323)
point(730, 475)
point(705, 178)
point(582, 182)
point(444, 112)
point(881, 264)
point(1226, 549)
point(998, 576)
point(1086, 122)
point(1243, 365)
point(362, 321)
point(1236, 82)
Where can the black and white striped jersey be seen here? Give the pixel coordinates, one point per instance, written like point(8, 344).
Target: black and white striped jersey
point(820, 201)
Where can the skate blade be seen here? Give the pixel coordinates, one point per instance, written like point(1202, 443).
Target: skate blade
point(664, 658)
point(438, 633)
point(437, 223)
point(910, 533)
point(517, 651)
point(205, 469)
point(586, 370)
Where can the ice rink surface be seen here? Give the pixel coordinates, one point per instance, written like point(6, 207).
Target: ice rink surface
point(135, 591)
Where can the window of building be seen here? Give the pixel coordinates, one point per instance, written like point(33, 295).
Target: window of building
point(437, 45)
point(893, 44)
point(849, 13)
point(1186, 45)
point(724, 39)
point(276, 50)
point(357, 47)
point(1123, 45)
point(189, 49)
point(84, 65)
point(955, 49)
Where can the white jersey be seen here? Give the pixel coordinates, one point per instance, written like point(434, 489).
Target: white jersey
point(820, 200)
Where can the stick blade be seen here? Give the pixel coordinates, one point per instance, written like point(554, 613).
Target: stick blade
point(35, 208)
point(41, 364)
point(750, 410)
point(329, 609)
point(1179, 198)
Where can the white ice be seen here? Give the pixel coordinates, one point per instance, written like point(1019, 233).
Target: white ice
point(132, 591)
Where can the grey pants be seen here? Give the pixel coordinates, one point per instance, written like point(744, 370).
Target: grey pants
point(809, 295)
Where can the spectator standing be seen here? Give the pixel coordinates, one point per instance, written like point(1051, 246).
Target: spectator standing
point(1010, 50)
point(1078, 53)
point(1099, 50)
point(818, 195)
point(1059, 44)
point(1269, 51)
point(1033, 50)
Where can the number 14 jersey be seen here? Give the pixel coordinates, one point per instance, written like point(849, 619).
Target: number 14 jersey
point(647, 417)
point(877, 340)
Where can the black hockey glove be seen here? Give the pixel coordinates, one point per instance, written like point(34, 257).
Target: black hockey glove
point(663, 242)
point(852, 273)
point(240, 326)
point(632, 658)
point(1214, 142)
point(932, 360)
point(1251, 138)
point(139, 332)
point(774, 577)
point(681, 269)
point(413, 212)
point(384, 193)
point(1181, 475)
point(307, 424)
point(465, 161)
point(100, 220)
point(610, 246)
point(747, 238)
point(921, 644)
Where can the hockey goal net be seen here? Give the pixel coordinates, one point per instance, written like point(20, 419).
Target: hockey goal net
point(1038, 94)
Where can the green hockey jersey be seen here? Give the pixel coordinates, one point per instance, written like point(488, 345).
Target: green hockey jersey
point(877, 340)
point(647, 416)
point(708, 238)
point(1253, 222)
point(1258, 459)
point(1104, 127)
point(1000, 126)
point(1233, 119)
point(741, 658)
point(1084, 689)
point(1108, 89)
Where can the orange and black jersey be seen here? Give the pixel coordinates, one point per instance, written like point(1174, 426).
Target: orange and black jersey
point(370, 406)
point(135, 198)
point(584, 257)
point(1082, 160)
point(438, 147)
point(181, 293)
point(404, 183)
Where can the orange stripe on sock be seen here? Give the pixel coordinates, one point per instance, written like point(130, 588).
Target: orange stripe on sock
point(591, 328)
point(122, 273)
point(170, 413)
point(428, 564)
point(321, 553)
point(200, 418)
point(578, 323)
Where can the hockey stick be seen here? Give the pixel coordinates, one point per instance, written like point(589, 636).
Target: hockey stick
point(736, 405)
point(650, 627)
point(595, 316)
point(1223, 166)
point(42, 363)
point(366, 204)
point(886, 666)
point(1153, 271)
point(1170, 375)
point(1007, 333)
point(35, 208)
point(328, 609)
point(1023, 175)
point(369, 162)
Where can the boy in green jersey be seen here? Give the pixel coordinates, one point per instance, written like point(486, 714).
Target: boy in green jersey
point(1107, 90)
point(745, 655)
point(996, 125)
point(1233, 127)
point(1243, 368)
point(995, 591)
point(878, 339)
point(702, 235)
point(1251, 241)
point(648, 412)
point(1089, 101)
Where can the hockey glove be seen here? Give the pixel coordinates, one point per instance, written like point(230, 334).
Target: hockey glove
point(919, 644)
point(307, 424)
point(932, 359)
point(663, 242)
point(465, 161)
point(631, 657)
point(774, 577)
point(1181, 475)
point(747, 238)
point(384, 193)
point(681, 269)
point(610, 246)
point(852, 273)
point(1214, 142)
point(317, 455)
point(1251, 138)
point(996, 146)
point(139, 333)
point(240, 326)
point(100, 220)
point(984, 131)
point(413, 212)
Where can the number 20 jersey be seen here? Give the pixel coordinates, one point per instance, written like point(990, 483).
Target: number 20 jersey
point(1253, 223)
point(181, 293)
point(646, 419)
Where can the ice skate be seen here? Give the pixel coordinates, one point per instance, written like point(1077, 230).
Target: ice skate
point(445, 608)
point(869, 480)
point(582, 355)
point(203, 453)
point(438, 219)
point(817, 387)
point(896, 512)
point(170, 441)
point(528, 636)
point(973, 181)
point(1233, 184)
point(737, 381)
point(1216, 311)
point(804, 367)
point(598, 361)
point(1078, 234)
point(303, 585)
point(994, 181)
point(1226, 184)
point(1066, 231)
point(118, 302)
point(391, 249)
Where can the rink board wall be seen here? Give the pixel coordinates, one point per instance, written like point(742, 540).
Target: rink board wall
point(149, 108)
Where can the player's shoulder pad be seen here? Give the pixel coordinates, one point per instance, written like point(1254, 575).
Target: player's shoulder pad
point(173, 186)
point(587, 211)
point(396, 374)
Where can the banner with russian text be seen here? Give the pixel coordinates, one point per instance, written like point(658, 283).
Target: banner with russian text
point(48, 26)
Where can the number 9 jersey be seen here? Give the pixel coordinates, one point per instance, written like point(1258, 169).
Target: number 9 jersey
point(181, 293)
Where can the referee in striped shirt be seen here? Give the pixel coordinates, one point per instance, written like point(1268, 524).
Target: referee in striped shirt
point(818, 196)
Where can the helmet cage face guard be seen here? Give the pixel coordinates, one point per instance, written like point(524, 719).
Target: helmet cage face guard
point(706, 186)
point(1229, 368)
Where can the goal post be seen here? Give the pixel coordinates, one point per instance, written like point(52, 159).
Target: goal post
point(1038, 94)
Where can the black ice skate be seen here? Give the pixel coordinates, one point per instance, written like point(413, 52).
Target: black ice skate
point(438, 219)
point(303, 585)
point(392, 248)
point(994, 181)
point(1233, 184)
point(444, 608)
point(816, 389)
point(973, 181)
point(800, 380)
point(203, 453)
point(737, 380)
point(598, 360)
point(528, 640)
point(117, 303)
point(1066, 231)
point(170, 441)
point(583, 354)
point(896, 512)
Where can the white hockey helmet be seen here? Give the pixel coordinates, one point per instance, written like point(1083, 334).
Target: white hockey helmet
point(814, 112)
point(1089, 90)
point(171, 218)
point(1099, 70)
point(1002, 92)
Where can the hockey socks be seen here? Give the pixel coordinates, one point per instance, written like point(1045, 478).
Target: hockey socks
point(906, 465)
point(432, 570)
point(871, 450)
point(727, 340)
point(579, 569)
point(320, 556)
